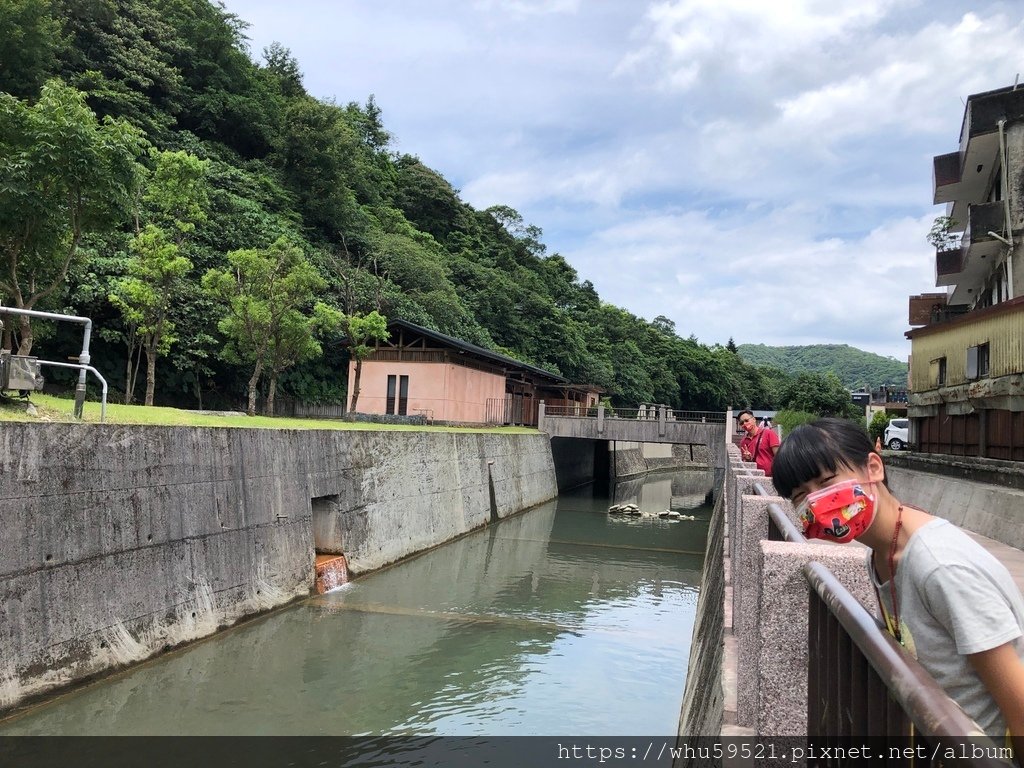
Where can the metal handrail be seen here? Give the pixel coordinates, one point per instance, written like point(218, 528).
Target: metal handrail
point(857, 672)
point(94, 372)
point(781, 528)
point(83, 356)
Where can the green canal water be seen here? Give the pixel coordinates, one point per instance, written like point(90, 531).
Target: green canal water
point(561, 620)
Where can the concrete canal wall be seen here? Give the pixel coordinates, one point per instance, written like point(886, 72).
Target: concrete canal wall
point(991, 509)
point(632, 459)
point(121, 541)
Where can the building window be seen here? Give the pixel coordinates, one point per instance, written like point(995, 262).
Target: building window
point(938, 370)
point(398, 395)
point(977, 361)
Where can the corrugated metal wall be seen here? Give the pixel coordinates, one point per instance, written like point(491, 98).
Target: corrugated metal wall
point(1002, 332)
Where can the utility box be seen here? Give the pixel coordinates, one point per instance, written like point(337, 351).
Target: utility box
point(20, 372)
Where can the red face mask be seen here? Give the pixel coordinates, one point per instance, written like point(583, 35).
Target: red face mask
point(839, 513)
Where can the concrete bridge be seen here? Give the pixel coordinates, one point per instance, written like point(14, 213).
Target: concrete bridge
point(646, 424)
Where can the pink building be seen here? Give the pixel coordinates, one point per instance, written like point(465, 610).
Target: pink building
point(419, 371)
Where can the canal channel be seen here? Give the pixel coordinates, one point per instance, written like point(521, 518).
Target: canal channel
point(560, 620)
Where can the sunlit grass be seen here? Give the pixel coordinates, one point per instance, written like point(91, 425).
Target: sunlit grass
point(56, 409)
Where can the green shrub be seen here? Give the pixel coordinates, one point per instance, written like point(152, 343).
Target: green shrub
point(790, 420)
point(877, 426)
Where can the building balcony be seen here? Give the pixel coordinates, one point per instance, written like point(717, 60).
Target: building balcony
point(985, 110)
point(963, 178)
point(949, 265)
point(931, 308)
point(984, 219)
point(946, 177)
point(924, 307)
point(967, 264)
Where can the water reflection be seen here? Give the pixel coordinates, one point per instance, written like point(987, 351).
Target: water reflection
point(563, 620)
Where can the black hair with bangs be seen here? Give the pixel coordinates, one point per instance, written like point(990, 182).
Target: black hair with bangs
point(817, 448)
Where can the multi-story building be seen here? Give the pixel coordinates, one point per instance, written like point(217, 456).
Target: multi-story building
point(967, 353)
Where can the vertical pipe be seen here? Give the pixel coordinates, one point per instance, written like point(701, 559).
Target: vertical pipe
point(1003, 158)
point(83, 359)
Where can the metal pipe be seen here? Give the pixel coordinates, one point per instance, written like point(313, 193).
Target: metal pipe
point(1006, 204)
point(83, 357)
point(84, 368)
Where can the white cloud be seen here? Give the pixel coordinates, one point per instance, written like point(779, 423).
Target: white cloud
point(689, 40)
point(759, 280)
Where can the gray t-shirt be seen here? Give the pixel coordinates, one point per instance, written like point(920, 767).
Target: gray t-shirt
point(954, 599)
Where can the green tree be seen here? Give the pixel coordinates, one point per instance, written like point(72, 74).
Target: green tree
point(175, 202)
point(790, 420)
point(29, 39)
point(64, 174)
point(360, 332)
point(285, 67)
point(145, 297)
point(261, 289)
point(940, 236)
point(121, 53)
point(295, 341)
point(823, 394)
point(224, 97)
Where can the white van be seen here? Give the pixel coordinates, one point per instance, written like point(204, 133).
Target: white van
point(897, 434)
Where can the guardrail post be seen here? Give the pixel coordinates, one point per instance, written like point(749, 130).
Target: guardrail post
point(751, 527)
point(540, 416)
point(780, 676)
point(600, 419)
point(661, 420)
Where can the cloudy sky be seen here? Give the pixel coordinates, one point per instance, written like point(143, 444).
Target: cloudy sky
point(751, 169)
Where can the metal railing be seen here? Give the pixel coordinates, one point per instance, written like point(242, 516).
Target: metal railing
point(576, 410)
point(287, 406)
point(511, 410)
point(642, 412)
point(780, 527)
point(862, 683)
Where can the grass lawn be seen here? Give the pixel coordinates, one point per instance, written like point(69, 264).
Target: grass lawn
point(56, 409)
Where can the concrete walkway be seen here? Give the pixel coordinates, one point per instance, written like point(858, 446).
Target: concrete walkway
point(1011, 557)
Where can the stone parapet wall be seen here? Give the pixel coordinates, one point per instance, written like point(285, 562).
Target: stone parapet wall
point(756, 679)
point(120, 541)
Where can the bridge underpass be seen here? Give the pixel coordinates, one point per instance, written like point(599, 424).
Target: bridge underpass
point(583, 441)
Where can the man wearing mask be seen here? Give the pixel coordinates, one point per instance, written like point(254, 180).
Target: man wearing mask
point(759, 445)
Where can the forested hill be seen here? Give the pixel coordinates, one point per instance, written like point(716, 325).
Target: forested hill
point(233, 237)
point(854, 367)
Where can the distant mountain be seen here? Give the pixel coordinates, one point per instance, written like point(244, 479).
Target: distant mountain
point(854, 367)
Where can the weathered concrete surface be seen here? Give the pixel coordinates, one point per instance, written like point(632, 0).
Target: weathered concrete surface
point(991, 510)
point(122, 540)
point(636, 459)
point(1008, 474)
point(704, 698)
point(780, 665)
